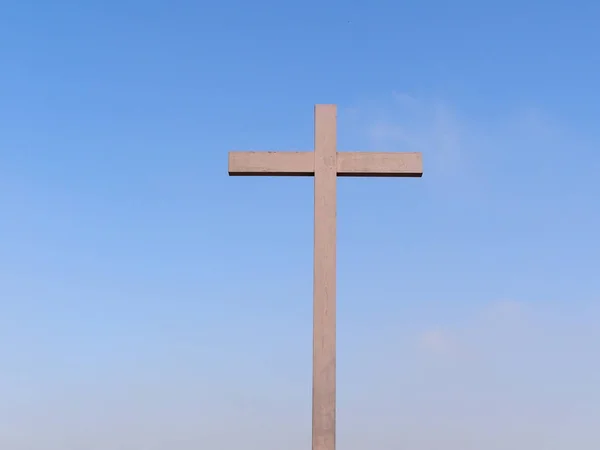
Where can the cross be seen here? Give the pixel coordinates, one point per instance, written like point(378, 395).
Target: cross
point(325, 163)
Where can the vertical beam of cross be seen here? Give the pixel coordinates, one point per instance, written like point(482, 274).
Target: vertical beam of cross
point(323, 407)
point(325, 163)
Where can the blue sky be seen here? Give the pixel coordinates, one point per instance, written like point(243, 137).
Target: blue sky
point(148, 300)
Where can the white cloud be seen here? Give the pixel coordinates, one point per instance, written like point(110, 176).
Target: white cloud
point(438, 342)
point(467, 155)
point(507, 314)
point(505, 309)
point(407, 123)
point(509, 376)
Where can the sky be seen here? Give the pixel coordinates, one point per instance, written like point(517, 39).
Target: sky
point(148, 301)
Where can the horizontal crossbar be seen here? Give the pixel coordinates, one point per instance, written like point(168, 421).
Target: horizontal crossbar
point(349, 164)
point(378, 164)
point(271, 163)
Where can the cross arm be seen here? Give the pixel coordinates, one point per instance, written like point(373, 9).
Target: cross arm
point(349, 164)
point(379, 164)
point(271, 163)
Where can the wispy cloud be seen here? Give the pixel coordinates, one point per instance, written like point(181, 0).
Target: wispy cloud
point(510, 375)
point(500, 318)
point(438, 342)
point(469, 152)
point(407, 123)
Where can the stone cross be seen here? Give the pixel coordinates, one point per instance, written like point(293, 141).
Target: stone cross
point(325, 164)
